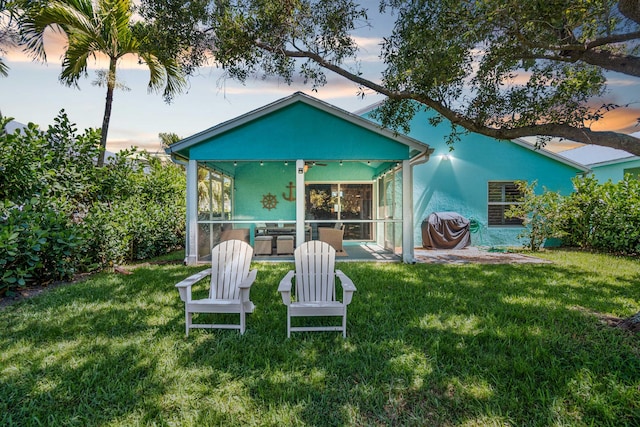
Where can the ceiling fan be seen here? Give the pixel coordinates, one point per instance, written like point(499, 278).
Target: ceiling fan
point(309, 165)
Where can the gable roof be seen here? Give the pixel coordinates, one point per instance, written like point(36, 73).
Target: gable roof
point(597, 155)
point(522, 142)
point(551, 155)
point(184, 147)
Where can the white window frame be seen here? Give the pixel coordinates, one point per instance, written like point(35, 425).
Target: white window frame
point(506, 222)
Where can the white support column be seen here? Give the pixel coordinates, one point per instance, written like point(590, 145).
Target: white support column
point(300, 202)
point(191, 246)
point(407, 213)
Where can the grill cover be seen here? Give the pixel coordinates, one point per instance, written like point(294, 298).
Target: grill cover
point(445, 230)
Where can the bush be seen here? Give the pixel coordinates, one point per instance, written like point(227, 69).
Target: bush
point(144, 214)
point(37, 244)
point(616, 224)
point(60, 214)
point(604, 217)
point(542, 214)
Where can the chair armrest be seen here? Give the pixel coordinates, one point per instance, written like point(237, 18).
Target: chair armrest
point(285, 287)
point(348, 288)
point(246, 283)
point(184, 286)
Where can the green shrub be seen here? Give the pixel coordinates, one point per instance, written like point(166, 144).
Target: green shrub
point(616, 225)
point(582, 208)
point(37, 244)
point(604, 217)
point(144, 214)
point(542, 214)
point(60, 214)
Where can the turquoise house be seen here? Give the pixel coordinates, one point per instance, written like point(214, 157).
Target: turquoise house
point(299, 164)
point(477, 179)
point(605, 163)
point(296, 165)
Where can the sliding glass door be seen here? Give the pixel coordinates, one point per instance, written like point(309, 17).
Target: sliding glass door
point(347, 203)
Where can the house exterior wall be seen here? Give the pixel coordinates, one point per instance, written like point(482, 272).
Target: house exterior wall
point(265, 151)
point(253, 181)
point(299, 131)
point(613, 171)
point(460, 183)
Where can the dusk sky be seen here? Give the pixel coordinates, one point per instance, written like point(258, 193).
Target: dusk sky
point(33, 93)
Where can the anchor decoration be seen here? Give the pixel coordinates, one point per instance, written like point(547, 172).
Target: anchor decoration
point(291, 197)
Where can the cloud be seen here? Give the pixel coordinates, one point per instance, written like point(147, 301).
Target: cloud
point(55, 46)
point(368, 48)
point(624, 120)
point(144, 141)
point(336, 87)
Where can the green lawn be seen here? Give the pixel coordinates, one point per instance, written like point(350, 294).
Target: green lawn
point(469, 345)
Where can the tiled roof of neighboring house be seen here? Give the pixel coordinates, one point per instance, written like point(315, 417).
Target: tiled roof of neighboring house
point(591, 155)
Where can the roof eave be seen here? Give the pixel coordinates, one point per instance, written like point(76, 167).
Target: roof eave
point(223, 127)
point(552, 155)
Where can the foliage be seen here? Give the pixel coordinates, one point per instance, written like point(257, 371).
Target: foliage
point(542, 214)
point(8, 31)
point(144, 210)
point(47, 182)
point(506, 69)
point(584, 203)
point(37, 244)
point(103, 29)
point(605, 217)
point(59, 214)
point(427, 345)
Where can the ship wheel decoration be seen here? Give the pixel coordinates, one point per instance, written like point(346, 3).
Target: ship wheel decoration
point(269, 201)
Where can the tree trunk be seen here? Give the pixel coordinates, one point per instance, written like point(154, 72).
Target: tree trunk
point(111, 83)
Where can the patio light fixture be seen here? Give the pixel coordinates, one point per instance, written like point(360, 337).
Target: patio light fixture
point(261, 163)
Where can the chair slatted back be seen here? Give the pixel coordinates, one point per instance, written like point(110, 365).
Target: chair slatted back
point(315, 272)
point(230, 262)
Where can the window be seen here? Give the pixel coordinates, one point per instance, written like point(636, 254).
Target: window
point(634, 172)
point(502, 195)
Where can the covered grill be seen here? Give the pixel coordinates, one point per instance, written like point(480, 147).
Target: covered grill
point(445, 230)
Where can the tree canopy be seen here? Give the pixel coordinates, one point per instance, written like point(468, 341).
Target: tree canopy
point(502, 68)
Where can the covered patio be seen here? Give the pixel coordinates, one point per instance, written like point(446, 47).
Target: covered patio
point(289, 171)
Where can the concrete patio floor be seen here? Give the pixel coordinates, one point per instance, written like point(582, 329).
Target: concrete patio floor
point(368, 251)
point(474, 254)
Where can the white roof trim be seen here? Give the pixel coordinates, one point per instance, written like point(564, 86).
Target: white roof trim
point(615, 161)
point(551, 155)
point(281, 103)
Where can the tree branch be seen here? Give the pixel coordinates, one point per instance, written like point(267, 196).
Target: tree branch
point(583, 135)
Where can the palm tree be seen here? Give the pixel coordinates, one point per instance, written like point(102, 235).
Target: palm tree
point(105, 28)
point(8, 33)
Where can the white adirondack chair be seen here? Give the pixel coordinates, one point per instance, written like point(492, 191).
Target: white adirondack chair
point(315, 289)
point(231, 282)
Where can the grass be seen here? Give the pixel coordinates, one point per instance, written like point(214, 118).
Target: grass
point(465, 345)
